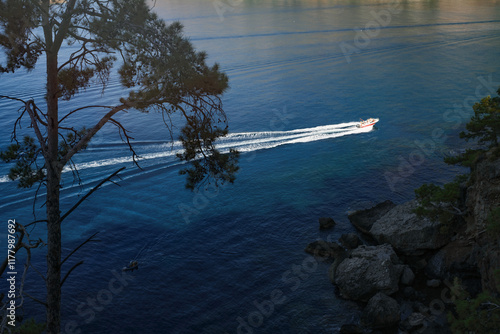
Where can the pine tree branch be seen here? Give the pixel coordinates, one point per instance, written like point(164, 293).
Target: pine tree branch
point(108, 179)
point(38, 133)
point(69, 272)
point(89, 239)
point(86, 139)
point(64, 26)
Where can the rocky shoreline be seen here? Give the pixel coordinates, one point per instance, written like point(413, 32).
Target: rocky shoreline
point(403, 274)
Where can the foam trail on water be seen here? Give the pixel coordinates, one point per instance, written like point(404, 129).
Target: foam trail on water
point(242, 141)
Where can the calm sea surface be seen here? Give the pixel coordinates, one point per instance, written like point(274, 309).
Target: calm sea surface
point(231, 260)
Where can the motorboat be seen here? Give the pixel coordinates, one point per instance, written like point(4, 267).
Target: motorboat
point(367, 123)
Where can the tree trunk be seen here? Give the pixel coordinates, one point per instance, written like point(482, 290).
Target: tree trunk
point(53, 212)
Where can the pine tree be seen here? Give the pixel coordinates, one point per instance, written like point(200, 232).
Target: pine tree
point(159, 67)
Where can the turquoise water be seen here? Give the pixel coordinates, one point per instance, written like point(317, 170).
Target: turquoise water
point(231, 260)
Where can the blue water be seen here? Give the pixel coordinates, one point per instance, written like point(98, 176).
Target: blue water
point(210, 260)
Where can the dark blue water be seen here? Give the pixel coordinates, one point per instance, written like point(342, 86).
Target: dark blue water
point(231, 260)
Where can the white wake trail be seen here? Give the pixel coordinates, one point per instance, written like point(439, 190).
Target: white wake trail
point(242, 141)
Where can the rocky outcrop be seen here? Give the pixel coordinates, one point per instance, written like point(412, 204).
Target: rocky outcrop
point(364, 219)
point(325, 249)
point(326, 223)
point(406, 232)
point(407, 276)
point(381, 311)
point(489, 264)
point(368, 270)
point(350, 240)
point(483, 196)
point(374, 274)
point(457, 256)
point(484, 193)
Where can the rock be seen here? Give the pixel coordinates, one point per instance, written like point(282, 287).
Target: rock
point(489, 264)
point(326, 223)
point(381, 312)
point(407, 277)
point(406, 232)
point(420, 308)
point(324, 249)
point(484, 194)
point(351, 329)
point(350, 240)
point(364, 219)
point(410, 293)
point(455, 259)
point(416, 321)
point(368, 270)
point(433, 283)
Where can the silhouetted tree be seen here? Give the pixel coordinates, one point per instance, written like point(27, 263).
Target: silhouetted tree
point(483, 127)
point(159, 67)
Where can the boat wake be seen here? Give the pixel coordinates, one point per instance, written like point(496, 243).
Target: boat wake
point(99, 160)
point(154, 153)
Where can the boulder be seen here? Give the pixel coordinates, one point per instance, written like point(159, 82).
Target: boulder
point(351, 329)
point(381, 312)
point(364, 219)
point(368, 270)
point(350, 240)
point(415, 322)
point(326, 223)
point(407, 277)
point(406, 232)
point(454, 259)
point(324, 249)
point(433, 283)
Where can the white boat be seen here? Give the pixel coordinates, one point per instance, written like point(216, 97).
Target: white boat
point(367, 123)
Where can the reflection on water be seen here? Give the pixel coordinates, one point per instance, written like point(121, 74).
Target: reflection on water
point(300, 73)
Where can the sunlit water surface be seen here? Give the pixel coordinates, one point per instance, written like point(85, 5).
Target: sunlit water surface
point(301, 73)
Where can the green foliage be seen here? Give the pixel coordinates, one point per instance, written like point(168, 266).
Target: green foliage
point(484, 128)
point(474, 315)
point(30, 326)
point(205, 163)
point(493, 222)
point(485, 124)
point(440, 203)
point(70, 140)
point(26, 169)
point(18, 19)
point(467, 159)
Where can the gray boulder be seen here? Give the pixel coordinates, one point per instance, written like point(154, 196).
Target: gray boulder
point(406, 232)
point(381, 312)
point(364, 219)
point(350, 240)
point(407, 277)
point(326, 223)
point(324, 249)
point(368, 270)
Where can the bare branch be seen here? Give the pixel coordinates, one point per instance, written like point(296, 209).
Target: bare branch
point(81, 108)
point(69, 272)
point(89, 239)
point(108, 179)
point(38, 133)
point(35, 299)
point(86, 139)
point(127, 139)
